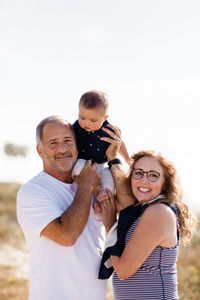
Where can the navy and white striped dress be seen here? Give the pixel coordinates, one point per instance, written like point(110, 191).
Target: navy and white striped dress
point(156, 279)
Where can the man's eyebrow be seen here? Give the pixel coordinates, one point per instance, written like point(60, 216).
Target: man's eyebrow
point(66, 137)
point(51, 140)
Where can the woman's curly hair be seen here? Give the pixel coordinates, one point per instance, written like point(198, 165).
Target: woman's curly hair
point(171, 189)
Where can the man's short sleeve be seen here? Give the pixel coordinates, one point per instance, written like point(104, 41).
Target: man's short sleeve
point(36, 208)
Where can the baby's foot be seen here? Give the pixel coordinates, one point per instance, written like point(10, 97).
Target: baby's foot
point(101, 195)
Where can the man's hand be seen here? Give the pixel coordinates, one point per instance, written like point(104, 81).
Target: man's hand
point(89, 176)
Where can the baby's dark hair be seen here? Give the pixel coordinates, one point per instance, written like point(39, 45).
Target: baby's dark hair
point(93, 99)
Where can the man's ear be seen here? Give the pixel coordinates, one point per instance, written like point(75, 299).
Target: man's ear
point(105, 117)
point(39, 150)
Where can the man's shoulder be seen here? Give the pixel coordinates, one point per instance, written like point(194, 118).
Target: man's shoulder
point(43, 185)
point(33, 184)
point(34, 179)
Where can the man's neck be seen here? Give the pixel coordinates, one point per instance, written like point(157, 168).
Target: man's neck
point(66, 177)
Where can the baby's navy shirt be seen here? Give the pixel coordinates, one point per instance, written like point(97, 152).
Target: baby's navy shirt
point(89, 144)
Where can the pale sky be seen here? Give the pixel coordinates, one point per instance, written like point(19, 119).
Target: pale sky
point(144, 54)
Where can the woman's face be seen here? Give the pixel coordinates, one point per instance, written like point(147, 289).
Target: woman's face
point(150, 185)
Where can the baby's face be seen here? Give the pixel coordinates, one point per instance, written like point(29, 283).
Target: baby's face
point(91, 119)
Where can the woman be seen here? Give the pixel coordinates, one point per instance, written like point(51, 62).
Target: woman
point(146, 268)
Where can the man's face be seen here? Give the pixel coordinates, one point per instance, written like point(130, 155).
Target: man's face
point(58, 150)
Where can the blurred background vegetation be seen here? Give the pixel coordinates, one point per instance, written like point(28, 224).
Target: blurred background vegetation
point(14, 256)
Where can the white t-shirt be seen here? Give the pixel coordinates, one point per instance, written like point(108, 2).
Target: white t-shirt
point(58, 272)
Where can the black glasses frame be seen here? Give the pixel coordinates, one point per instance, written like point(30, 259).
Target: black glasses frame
point(147, 172)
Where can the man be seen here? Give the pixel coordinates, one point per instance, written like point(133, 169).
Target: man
point(64, 235)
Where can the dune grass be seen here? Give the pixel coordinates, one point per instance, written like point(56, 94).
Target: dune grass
point(12, 288)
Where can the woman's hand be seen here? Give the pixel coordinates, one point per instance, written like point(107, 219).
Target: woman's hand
point(115, 141)
point(108, 211)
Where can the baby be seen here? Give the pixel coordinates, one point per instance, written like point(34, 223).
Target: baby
point(93, 109)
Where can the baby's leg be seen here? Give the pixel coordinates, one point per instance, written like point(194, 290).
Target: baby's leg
point(107, 181)
point(78, 167)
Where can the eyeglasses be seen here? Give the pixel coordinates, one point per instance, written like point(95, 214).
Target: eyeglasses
point(152, 176)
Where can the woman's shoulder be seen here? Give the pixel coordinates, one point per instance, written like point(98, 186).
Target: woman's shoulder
point(159, 212)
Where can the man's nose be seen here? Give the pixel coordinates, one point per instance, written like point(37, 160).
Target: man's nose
point(63, 146)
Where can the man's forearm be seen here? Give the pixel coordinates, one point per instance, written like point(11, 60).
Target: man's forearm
point(74, 219)
point(66, 229)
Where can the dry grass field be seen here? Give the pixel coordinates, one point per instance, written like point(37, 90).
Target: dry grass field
point(14, 256)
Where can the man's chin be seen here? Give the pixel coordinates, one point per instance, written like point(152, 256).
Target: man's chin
point(67, 166)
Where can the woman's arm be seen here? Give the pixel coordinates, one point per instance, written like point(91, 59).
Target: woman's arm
point(156, 227)
point(124, 153)
point(124, 194)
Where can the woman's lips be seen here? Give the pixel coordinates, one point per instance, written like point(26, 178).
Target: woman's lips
point(144, 190)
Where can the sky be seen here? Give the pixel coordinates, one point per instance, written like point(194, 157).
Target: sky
point(143, 54)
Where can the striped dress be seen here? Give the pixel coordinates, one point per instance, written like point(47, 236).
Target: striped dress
point(156, 279)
